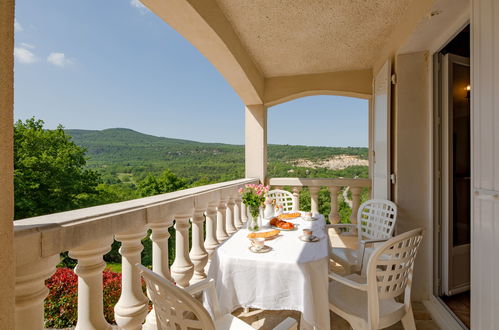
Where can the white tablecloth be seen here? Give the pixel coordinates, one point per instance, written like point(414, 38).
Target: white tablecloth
point(293, 276)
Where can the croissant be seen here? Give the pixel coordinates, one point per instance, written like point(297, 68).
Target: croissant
point(266, 234)
point(289, 215)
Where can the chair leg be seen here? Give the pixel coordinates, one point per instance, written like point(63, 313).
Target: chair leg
point(408, 320)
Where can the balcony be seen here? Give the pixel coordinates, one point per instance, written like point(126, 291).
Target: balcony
point(209, 214)
point(388, 52)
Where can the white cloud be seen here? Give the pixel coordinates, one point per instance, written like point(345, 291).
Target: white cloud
point(58, 59)
point(22, 55)
point(137, 4)
point(17, 26)
point(26, 45)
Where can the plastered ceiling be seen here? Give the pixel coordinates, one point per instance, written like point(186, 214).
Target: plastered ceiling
point(291, 37)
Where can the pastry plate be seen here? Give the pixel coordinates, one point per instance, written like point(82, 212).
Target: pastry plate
point(294, 228)
point(314, 239)
point(265, 249)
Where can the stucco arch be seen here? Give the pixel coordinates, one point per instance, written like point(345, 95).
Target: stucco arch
point(346, 83)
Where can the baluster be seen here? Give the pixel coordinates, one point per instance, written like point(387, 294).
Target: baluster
point(132, 306)
point(244, 213)
point(211, 242)
point(160, 265)
point(229, 217)
point(182, 268)
point(296, 198)
point(355, 203)
point(221, 210)
point(237, 212)
point(159, 237)
point(314, 199)
point(334, 216)
point(199, 256)
point(31, 292)
point(89, 270)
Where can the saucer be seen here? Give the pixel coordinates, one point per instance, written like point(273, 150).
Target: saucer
point(312, 239)
point(265, 249)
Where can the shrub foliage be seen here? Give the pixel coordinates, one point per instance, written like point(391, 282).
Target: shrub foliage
point(62, 302)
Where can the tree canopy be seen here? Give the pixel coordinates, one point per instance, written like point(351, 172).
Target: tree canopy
point(49, 171)
point(164, 183)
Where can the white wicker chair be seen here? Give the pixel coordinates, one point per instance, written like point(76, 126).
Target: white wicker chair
point(176, 308)
point(284, 198)
point(369, 302)
point(376, 220)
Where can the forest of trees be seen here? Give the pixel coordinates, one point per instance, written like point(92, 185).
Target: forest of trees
point(59, 170)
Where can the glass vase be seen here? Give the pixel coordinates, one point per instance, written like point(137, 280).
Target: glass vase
point(253, 221)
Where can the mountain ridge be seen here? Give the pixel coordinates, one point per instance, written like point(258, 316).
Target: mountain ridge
point(127, 154)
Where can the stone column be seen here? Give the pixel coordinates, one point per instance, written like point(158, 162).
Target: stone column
point(296, 198)
point(30, 292)
point(355, 203)
point(211, 242)
point(334, 216)
point(221, 212)
point(7, 259)
point(256, 142)
point(182, 268)
point(198, 255)
point(132, 307)
point(229, 217)
point(237, 212)
point(160, 265)
point(89, 271)
point(314, 199)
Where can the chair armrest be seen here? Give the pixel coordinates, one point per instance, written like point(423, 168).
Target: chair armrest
point(372, 241)
point(200, 286)
point(208, 287)
point(342, 225)
point(287, 324)
point(348, 282)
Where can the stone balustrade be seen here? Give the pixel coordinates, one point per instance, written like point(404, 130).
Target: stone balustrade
point(88, 234)
point(335, 186)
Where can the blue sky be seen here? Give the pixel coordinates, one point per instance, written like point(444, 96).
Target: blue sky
point(101, 64)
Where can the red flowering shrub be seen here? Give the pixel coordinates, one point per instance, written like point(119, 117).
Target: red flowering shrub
point(112, 292)
point(61, 305)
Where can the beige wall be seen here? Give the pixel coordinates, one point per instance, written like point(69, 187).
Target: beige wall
point(6, 163)
point(412, 157)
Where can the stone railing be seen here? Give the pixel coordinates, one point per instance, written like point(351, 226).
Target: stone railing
point(333, 185)
point(88, 234)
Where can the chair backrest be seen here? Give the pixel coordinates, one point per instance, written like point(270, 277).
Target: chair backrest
point(376, 219)
point(284, 198)
point(390, 269)
point(175, 308)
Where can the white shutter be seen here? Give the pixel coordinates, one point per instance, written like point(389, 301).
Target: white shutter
point(485, 166)
point(381, 133)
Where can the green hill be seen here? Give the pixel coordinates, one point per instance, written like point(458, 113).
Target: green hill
point(124, 155)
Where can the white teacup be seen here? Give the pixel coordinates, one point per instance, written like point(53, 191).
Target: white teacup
point(307, 215)
point(258, 243)
point(307, 234)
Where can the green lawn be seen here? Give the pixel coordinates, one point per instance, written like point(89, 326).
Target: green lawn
point(114, 267)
